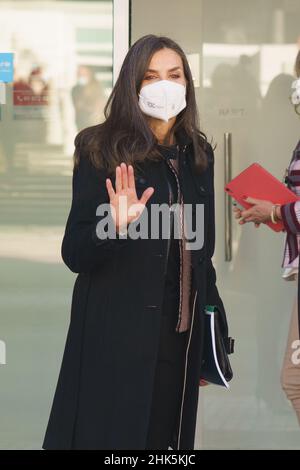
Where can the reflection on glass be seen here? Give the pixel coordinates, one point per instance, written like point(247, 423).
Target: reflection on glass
point(248, 69)
point(62, 78)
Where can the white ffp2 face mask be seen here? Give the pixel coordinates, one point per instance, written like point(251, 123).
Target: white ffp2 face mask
point(163, 99)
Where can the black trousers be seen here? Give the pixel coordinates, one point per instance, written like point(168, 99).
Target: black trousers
point(169, 377)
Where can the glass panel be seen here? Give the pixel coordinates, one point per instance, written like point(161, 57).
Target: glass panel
point(247, 72)
point(242, 58)
point(62, 78)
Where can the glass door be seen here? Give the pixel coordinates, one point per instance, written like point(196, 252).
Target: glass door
point(242, 59)
point(65, 58)
point(247, 72)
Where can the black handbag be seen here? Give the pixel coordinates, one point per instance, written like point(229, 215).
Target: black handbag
point(218, 345)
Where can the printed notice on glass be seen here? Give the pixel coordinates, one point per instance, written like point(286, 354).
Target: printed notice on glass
point(6, 67)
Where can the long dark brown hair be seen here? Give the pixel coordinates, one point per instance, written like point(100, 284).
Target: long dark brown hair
point(125, 135)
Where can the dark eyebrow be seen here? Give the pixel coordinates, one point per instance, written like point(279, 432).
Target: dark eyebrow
point(170, 70)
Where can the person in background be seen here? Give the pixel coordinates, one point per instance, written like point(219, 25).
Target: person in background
point(88, 98)
point(265, 211)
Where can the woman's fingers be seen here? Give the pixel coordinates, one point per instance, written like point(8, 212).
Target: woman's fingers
point(118, 179)
point(124, 176)
point(110, 189)
point(146, 195)
point(131, 180)
point(238, 212)
point(125, 181)
point(246, 213)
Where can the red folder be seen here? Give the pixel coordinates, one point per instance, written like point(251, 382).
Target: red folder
point(258, 183)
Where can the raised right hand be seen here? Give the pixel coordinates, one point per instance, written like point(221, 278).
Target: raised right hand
point(125, 186)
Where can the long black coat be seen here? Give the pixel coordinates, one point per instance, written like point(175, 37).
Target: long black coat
point(107, 373)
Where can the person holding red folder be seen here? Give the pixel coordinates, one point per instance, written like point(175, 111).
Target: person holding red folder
point(289, 214)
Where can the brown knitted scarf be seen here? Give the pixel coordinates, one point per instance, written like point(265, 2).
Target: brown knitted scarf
point(186, 270)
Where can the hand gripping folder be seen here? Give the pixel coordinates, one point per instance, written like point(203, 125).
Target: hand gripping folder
point(258, 183)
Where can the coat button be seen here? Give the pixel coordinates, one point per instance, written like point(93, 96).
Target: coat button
point(142, 180)
point(202, 189)
point(201, 259)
